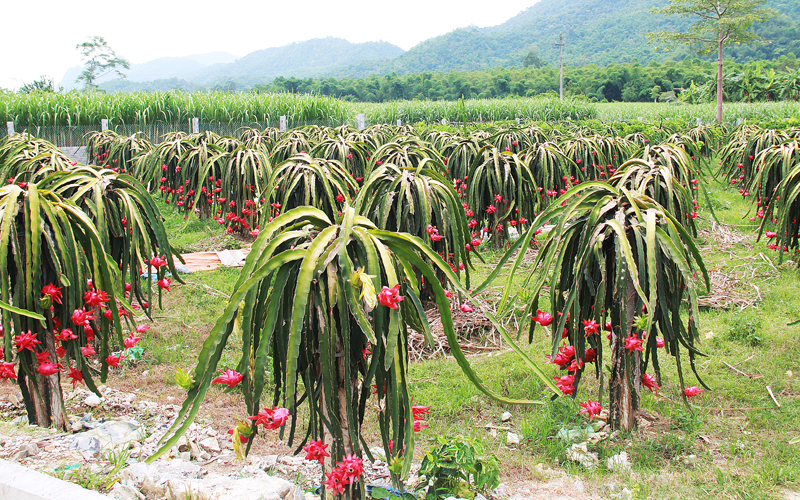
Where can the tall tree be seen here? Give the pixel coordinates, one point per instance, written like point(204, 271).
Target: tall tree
point(44, 83)
point(717, 23)
point(101, 60)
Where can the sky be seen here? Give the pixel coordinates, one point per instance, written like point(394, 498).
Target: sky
point(144, 30)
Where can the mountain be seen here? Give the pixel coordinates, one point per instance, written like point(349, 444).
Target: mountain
point(303, 59)
point(598, 32)
point(594, 32)
point(161, 68)
point(300, 59)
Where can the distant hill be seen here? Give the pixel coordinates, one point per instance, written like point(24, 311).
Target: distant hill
point(161, 68)
point(309, 58)
point(595, 32)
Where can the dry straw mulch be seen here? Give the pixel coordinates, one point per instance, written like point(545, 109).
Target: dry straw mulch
point(738, 283)
point(475, 334)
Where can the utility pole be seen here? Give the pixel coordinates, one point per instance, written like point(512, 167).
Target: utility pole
point(560, 46)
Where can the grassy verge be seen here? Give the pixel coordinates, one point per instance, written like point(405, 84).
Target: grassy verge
point(731, 442)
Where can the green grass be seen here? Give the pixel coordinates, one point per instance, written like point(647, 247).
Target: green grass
point(739, 453)
point(739, 440)
point(654, 112)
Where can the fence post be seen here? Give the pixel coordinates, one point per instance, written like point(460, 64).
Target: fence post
point(10, 128)
point(360, 121)
point(283, 124)
point(103, 125)
point(195, 125)
point(399, 123)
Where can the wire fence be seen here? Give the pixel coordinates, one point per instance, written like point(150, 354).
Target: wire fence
point(68, 136)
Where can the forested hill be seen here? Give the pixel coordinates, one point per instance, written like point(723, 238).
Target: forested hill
point(598, 32)
point(595, 31)
point(309, 58)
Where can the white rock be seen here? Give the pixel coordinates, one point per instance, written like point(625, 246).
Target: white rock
point(210, 444)
point(125, 492)
point(597, 437)
point(625, 494)
point(512, 438)
point(291, 460)
point(619, 462)
point(88, 446)
point(30, 449)
point(580, 453)
point(117, 432)
point(186, 456)
point(506, 416)
point(92, 400)
point(195, 450)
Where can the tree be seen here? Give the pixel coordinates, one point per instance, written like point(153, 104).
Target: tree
point(44, 83)
point(100, 61)
point(70, 235)
point(717, 23)
point(617, 250)
point(325, 305)
point(533, 59)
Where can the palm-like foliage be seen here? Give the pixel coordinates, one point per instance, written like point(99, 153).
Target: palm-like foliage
point(292, 143)
point(25, 158)
point(303, 181)
point(784, 210)
point(124, 150)
point(773, 181)
point(596, 157)
point(297, 301)
point(439, 139)
point(664, 174)
point(197, 173)
point(68, 228)
point(501, 187)
point(253, 137)
point(612, 254)
point(353, 155)
point(414, 200)
point(374, 136)
point(510, 140)
point(407, 152)
point(738, 157)
point(244, 173)
point(553, 172)
point(459, 155)
point(98, 145)
point(156, 168)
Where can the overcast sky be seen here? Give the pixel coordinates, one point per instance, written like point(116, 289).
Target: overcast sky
point(40, 37)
